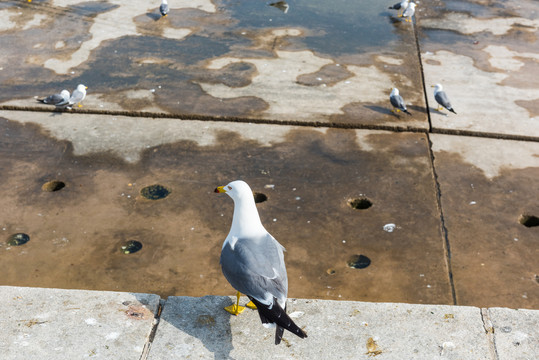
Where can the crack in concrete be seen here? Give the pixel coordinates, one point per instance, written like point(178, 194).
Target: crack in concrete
point(443, 228)
point(151, 336)
point(489, 331)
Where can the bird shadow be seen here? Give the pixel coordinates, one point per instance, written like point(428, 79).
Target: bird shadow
point(435, 110)
point(202, 318)
point(153, 16)
point(382, 110)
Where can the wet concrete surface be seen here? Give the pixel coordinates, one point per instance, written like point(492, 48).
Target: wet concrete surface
point(226, 58)
point(485, 54)
point(484, 197)
point(248, 71)
point(77, 232)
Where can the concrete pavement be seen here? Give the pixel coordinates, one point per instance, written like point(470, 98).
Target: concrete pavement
point(80, 324)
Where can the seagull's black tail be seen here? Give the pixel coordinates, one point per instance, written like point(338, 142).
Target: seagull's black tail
point(453, 111)
point(276, 315)
point(406, 111)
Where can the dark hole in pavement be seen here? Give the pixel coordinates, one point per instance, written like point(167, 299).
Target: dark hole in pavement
point(360, 204)
point(155, 192)
point(259, 197)
point(53, 185)
point(18, 239)
point(537, 279)
point(359, 261)
point(529, 220)
point(132, 246)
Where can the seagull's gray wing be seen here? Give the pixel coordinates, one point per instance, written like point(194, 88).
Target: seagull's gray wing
point(442, 99)
point(397, 101)
point(53, 99)
point(255, 267)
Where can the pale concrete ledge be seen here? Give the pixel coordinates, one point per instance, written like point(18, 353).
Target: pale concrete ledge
point(77, 324)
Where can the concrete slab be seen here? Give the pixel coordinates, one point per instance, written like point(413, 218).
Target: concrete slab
point(68, 324)
point(515, 333)
point(309, 175)
point(200, 328)
point(489, 202)
point(486, 57)
point(239, 59)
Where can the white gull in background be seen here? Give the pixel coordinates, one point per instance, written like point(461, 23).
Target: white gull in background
point(61, 99)
point(397, 101)
point(78, 95)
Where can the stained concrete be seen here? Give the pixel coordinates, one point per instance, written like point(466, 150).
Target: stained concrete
point(77, 232)
point(74, 324)
point(485, 56)
point(486, 186)
point(68, 324)
point(289, 67)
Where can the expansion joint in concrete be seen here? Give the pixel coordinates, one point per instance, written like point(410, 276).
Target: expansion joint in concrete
point(422, 74)
point(151, 336)
point(489, 331)
point(443, 228)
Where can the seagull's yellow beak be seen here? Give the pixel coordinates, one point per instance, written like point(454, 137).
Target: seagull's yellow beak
point(220, 189)
point(433, 86)
point(86, 87)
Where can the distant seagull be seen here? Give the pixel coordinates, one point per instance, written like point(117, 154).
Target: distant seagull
point(400, 6)
point(281, 5)
point(441, 98)
point(60, 99)
point(409, 12)
point(78, 95)
point(163, 9)
point(397, 101)
point(253, 263)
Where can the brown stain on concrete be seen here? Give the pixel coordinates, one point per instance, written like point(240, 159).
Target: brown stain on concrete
point(494, 257)
point(182, 234)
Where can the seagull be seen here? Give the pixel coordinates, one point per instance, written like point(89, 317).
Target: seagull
point(253, 263)
point(441, 98)
point(281, 5)
point(397, 101)
point(60, 99)
point(401, 5)
point(409, 12)
point(78, 95)
point(163, 9)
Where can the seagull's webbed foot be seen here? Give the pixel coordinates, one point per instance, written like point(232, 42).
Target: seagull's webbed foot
point(235, 309)
point(79, 105)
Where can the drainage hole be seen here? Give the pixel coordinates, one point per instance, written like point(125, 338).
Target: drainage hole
point(18, 239)
point(155, 192)
point(132, 246)
point(529, 220)
point(360, 204)
point(53, 185)
point(259, 197)
point(358, 261)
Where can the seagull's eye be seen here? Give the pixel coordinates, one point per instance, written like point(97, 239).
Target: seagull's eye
point(230, 188)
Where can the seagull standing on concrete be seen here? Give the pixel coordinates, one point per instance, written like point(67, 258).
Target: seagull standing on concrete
point(400, 6)
point(253, 263)
point(163, 9)
point(397, 101)
point(409, 12)
point(78, 95)
point(441, 98)
point(61, 99)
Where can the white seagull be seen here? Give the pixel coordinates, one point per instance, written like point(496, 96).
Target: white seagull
point(253, 263)
point(400, 6)
point(409, 12)
point(163, 9)
point(441, 98)
point(397, 101)
point(78, 95)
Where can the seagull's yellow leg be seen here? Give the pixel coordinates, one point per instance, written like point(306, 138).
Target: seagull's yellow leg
point(235, 309)
point(251, 305)
point(79, 105)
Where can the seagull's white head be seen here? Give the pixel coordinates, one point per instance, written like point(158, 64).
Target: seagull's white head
point(65, 93)
point(237, 190)
point(394, 92)
point(164, 2)
point(412, 5)
point(437, 87)
point(82, 88)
